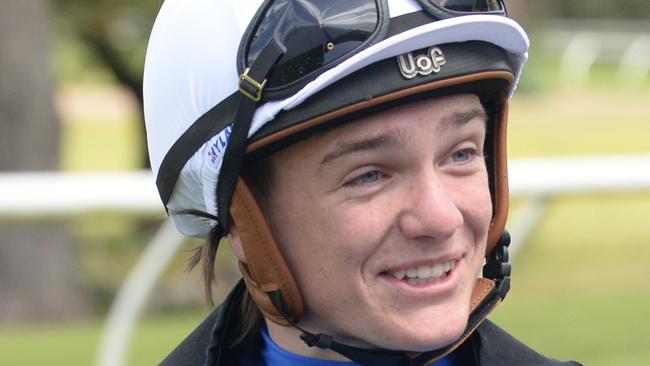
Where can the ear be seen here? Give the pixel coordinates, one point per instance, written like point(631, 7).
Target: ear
point(235, 243)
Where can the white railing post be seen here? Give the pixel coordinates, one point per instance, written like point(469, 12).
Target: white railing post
point(635, 62)
point(133, 295)
point(523, 221)
point(578, 56)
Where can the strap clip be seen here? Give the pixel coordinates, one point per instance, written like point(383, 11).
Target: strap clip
point(250, 87)
point(498, 266)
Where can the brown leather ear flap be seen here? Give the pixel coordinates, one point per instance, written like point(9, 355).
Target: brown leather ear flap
point(266, 273)
point(482, 288)
point(500, 176)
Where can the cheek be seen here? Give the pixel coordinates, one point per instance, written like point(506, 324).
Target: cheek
point(361, 228)
point(315, 239)
point(473, 199)
point(478, 217)
point(483, 205)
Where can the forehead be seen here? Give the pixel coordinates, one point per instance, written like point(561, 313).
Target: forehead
point(440, 113)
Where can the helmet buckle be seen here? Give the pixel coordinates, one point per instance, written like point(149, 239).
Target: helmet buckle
point(250, 87)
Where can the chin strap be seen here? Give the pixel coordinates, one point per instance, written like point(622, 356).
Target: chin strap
point(359, 355)
point(497, 267)
point(489, 293)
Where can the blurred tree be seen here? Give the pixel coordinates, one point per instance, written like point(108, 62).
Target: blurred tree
point(621, 9)
point(37, 269)
point(116, 32)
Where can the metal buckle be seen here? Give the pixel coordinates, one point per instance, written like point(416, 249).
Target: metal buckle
point(257, 96)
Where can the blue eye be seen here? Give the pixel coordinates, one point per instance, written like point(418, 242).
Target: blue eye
point(461, 155)
point(369, 177)
point(366, 178)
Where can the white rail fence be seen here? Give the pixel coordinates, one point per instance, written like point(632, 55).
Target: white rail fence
point(582, 43)
point(41, 195)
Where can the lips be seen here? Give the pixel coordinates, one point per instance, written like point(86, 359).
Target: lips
point(423, 274)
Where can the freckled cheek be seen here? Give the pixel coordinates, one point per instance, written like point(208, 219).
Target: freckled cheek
point(360, 231)
point(472, 197)
point(482, 205)
point(354, 230)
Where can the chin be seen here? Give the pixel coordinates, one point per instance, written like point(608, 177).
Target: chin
point(433, 333)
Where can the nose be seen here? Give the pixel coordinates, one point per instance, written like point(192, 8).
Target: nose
point(430, 211)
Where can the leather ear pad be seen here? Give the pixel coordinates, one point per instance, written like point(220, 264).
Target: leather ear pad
point(261, 297)
point(500, 176)
point(482, 288)
point(266, 270)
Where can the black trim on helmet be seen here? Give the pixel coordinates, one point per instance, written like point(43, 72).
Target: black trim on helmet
point(383, 78)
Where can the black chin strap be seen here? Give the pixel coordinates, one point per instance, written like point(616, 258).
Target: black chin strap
point(359, 355)
point(497, 269)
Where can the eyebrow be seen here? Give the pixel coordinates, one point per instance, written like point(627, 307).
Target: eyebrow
point(378, 142)
point(460, 118)
point(391, 138)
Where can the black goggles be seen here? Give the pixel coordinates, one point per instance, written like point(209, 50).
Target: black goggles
point(318, 35)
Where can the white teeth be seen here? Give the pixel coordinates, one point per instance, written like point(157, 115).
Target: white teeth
point(447, 266)
point(424, 274)
point(399, 274)
point(437, 270)
point(424, 271)
point(412, 272)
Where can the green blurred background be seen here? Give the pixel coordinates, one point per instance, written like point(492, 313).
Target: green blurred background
point(580, 283)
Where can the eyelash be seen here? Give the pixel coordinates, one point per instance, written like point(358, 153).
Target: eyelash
point(471, 154)
point(358, 180)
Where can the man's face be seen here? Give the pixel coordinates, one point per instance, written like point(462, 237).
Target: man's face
point(383, 222)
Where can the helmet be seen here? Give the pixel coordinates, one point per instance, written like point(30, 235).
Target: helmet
point(233, 79)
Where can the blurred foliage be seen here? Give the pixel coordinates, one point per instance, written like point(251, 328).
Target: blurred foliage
point(110, 36)
point(536, 12)
point(628, 9)
point(114, 33)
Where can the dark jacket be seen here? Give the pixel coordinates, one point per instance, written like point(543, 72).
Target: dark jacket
point(489, 345)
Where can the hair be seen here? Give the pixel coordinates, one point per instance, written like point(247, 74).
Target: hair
point(258, 175)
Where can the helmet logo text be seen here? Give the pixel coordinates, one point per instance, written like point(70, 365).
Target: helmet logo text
point(217, 148)
point(431, 62)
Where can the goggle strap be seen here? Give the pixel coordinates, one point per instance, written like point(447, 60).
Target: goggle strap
point(201, 131)
point(234, 155)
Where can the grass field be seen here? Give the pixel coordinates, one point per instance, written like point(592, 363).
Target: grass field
point(580, 285)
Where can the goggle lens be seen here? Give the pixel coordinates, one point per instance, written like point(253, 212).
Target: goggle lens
point(469, 6)
point(318, 34)
point(315, 35)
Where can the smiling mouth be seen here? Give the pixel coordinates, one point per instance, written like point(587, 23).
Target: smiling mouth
point(424, 274)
